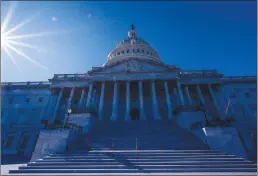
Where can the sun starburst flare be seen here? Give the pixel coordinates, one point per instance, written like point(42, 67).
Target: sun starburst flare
point(10, 41)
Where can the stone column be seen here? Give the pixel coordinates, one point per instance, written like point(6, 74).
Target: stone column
point(214, 99)
point(188, 95)
point(142, 113)
point(247, 109)
point(181, 95)
point(114, 107)
point(154, 101)
point(69, 103)
point(127, 116)
point(168, 100)
point(70, 98)
point(89, 95)
point(176, 97)
point(101, 102)
point(81, 98)
point(57, 104)
point(199, 92)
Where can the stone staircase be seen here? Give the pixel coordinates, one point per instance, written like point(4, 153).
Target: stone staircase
point(144, 135)
point(140, 162)
point(139, 148)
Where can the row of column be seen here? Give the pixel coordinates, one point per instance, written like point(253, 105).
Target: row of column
point(60, 95)
point(178, 92)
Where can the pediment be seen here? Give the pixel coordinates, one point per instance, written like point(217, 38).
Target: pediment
point(134, 66)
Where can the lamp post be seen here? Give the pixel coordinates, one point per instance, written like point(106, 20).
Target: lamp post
point(69, 111)
point(203, 109)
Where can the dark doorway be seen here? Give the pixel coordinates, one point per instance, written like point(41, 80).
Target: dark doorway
point(135, 114)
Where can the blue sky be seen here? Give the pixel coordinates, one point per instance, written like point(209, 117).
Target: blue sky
point(192, 35)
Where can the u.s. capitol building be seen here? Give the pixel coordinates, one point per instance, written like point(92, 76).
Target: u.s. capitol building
point(133, 102)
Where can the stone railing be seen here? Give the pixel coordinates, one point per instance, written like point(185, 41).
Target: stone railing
point(70, 76)
point(26, 84)
point(199, 72)
point(239, 78)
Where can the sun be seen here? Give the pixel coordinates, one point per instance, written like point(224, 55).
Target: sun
point(2, 41)
point(9, 42)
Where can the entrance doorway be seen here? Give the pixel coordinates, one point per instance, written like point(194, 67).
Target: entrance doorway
point(135, 114)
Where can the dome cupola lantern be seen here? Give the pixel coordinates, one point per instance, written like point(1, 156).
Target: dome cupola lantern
point(132, 47)
point(132, 33)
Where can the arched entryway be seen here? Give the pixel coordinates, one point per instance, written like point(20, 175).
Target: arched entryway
point(135, 114)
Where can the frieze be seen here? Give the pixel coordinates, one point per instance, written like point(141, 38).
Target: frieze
point(132, 65)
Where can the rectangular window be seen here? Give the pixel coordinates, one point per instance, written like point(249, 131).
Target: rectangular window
point(40, 99)
point(9, 142)
point(11, 100)
point(27, 100)
point(24, 142)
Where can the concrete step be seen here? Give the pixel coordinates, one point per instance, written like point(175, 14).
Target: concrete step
point(185, 157)
point(158, 170)
point(140, 159)
point(140, 166)
point(141, 155)
point(152, 174)
point(143, 162)
point(151, 151)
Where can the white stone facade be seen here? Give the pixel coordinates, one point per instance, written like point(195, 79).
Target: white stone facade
point(134, 84)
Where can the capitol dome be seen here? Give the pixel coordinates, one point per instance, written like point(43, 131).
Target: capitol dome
point(132, 47)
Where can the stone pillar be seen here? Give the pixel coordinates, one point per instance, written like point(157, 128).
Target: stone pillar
point(168, 100)
point(70, 98)
point(81, 98)
point(127, 116)
point(176, 97)
point(69, 103)
point(57, 104)
point(154, 101)
point(101, 102)
point(181, 95)
point(142, 113)
point(199, 92)
point(89, 95)
point(214, 99)
point(188, 95)
point(114, 107)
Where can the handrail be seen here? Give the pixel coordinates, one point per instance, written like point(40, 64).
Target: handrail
point(140, 142)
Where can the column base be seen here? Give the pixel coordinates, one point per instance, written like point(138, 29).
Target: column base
point(157, 116)
point(113, 118)
point(100, 117)
point(142, 116)
point(127, 118)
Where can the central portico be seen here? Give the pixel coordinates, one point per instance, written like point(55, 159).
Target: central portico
point(134, 84)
